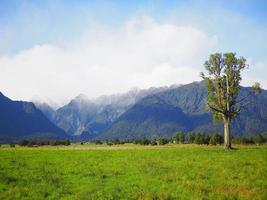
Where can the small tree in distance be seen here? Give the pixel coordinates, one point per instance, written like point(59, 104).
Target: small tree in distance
point(179, 137)
point(223, 86)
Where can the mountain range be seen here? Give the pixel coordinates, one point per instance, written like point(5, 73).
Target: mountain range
point(154, 112)
point(184, 108)
point(85, 118)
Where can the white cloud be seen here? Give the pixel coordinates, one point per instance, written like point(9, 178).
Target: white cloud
point(255, 73)
point(105, 60)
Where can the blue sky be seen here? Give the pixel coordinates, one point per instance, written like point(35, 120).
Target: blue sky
point(238, 25)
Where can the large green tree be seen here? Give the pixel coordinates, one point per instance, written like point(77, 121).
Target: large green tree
point(223, 85)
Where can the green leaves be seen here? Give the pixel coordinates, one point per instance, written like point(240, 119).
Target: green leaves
point(256, 88)
point(223, 83)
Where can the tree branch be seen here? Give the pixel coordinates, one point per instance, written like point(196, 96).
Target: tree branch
point(216, 109)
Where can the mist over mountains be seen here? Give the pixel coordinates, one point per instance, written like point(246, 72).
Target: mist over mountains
point(153, 112)
point(85, 118)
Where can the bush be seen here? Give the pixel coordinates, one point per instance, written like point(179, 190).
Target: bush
point(199, 139)
point(163, 141)
point(109, 143)
point(242, 140)
point(23, 142)
point(145, 141)
point(153, 142)
point(237, 140)
point(98, 142)
point(117, 141)
point(216, 139)
point(12, 145)
point(31, 143)
point(258, 139)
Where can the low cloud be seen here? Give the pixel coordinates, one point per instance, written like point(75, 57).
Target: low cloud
point(104, 60)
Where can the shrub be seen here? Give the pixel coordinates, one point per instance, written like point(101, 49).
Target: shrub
point(31, 143)
point(242, 140)
point(109, 143)
point(145, 141)
point(199, 139)
point(98, 142)
point(258, 139)
point(163, 141)
point(216, 139)
point(237, 140)
point(116, 141)
point(153, 142)
point(23, 142)
point(12, 145)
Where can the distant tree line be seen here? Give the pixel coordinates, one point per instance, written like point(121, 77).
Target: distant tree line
point(189, 138)
point(32, 143)
point(178, 138)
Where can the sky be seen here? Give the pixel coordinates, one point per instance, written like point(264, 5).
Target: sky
point(55, 50)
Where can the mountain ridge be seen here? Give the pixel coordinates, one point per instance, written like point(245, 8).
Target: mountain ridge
point(20, 119)
point(190, 99)
point(85, 118)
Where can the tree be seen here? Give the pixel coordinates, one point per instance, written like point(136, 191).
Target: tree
point(179, 137)
point(223, 86)
point(116, 141)
point(191, 137)
point(23, 142)
point(67, 143)
point(199, 138)
point(206, 139)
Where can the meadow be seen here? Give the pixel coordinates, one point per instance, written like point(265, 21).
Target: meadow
point(133, 172)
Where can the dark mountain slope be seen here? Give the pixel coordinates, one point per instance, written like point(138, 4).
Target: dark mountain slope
point(183, 108)
point(150, 117)
point(19, 119)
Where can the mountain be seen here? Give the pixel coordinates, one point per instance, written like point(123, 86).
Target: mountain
point(183, 108)
point(85, 118)
point(74, 117)
point(47, 110)
point(19, 119)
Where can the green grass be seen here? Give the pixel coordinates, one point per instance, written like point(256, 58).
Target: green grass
point(133, 172)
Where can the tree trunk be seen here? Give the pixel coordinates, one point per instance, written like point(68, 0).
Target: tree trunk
point(227, 139)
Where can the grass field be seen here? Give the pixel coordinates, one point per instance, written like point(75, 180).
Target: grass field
point(133, 172)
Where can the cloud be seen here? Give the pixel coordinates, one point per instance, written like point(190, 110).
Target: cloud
point(104, 60)
point(255, 73)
